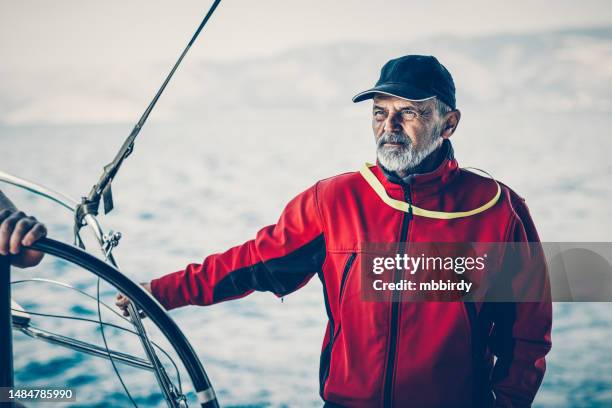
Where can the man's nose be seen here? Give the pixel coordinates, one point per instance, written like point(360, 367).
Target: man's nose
point(391, 124)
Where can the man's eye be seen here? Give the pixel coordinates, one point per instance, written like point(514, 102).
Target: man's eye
point(379, 114)
point(409, 114)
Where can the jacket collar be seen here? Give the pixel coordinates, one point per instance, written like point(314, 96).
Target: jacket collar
point(438, 167)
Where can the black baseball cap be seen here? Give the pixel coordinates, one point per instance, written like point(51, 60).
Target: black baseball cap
point(413, 77)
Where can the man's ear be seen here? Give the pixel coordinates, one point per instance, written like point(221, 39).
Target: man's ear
point(450, 123)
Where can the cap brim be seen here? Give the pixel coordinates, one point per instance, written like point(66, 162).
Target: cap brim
point(397, 90)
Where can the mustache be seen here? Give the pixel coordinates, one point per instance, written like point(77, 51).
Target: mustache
point(394, 137)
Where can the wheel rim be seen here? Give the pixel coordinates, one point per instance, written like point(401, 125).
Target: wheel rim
point(158, 315)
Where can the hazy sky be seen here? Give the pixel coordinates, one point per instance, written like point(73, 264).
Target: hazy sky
point(66, 32)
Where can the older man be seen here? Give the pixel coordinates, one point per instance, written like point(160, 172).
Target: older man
point(384, 354)
point(17, 230)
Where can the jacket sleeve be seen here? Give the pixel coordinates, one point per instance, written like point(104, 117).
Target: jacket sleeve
point(281, 259)
point(521, 333)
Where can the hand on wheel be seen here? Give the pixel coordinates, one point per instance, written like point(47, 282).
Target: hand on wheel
point(17, 230)
point(122, 301)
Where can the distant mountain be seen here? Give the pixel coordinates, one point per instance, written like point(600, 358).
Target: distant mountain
point(559, 71)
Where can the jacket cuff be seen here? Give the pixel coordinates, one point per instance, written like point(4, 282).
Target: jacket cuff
point(165, 291)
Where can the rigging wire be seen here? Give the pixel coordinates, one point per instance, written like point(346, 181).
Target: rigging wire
point(102, 189)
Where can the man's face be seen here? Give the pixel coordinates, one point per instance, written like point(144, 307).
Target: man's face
point(405, 131)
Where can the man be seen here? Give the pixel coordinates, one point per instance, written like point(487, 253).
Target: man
point(400, 354)
point(18, 230)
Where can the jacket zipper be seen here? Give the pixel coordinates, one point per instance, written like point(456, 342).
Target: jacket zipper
point(395, 304)
point(332, 329)
point(345, 273)
point(347, 268)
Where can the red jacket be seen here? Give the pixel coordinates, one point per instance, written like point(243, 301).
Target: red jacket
point(383, 354)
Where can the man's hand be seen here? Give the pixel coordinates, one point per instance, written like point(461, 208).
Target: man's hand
point(123, 302)
point(17, 230)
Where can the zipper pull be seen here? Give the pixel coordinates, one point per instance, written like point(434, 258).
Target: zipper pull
point(408, 200)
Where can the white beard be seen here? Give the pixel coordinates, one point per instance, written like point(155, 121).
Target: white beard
point(406, 157)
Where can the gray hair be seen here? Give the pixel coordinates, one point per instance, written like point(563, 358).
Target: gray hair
point(442, 110)
point(441, 107)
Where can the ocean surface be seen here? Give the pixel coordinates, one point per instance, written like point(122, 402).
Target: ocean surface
point(191, 189)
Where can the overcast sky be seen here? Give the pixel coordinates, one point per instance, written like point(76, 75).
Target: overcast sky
point(66, 32)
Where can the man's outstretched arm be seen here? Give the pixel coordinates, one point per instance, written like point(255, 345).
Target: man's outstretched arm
point(17, 230)
point(281, 258)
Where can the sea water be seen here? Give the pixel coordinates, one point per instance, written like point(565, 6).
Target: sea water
point(191, 189)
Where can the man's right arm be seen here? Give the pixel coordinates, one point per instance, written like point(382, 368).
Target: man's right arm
point(281, 259)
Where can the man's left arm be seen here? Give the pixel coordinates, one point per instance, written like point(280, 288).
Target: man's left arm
point(17, 230)
point(521, 336)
